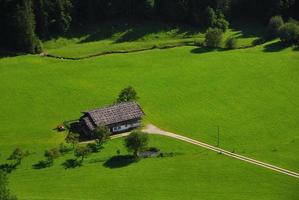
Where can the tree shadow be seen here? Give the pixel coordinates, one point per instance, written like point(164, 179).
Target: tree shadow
point(7, 54)
point(296, 48)
point(274, 47)
point(252, 28)
point(127, 30)
point(200, 50)
point(42, 164)
point(120, 161)
point(8, 167)
point(71, 163)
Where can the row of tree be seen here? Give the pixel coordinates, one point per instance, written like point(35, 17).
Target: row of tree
point(24, 22)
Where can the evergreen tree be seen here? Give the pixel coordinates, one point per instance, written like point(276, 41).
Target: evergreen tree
point(41, 18)
point(24, 28)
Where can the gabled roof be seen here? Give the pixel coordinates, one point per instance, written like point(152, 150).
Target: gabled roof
point(113, 114)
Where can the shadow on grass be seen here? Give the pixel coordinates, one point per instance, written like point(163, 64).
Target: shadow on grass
point(296, 48)
point(206, 50)
point(274, 47)
point(120, 161)
point(42, 164)
point(71, 163)
point(127, 30)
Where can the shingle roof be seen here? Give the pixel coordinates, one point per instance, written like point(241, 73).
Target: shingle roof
point(113, 114)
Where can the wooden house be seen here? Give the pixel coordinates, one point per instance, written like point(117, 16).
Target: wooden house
point(118, 118)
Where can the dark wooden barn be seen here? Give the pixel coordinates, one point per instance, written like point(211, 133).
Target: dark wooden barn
point(118, 118)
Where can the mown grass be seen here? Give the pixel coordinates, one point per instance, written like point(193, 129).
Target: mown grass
point(194, 173)
point(128, 35)
point(252, 94)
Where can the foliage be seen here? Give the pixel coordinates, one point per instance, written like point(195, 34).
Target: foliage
point(52, 154)
point(82, 152)
point(72, 138)
point(56, 17)
point(274, 25)
point(216, 19)
point(289, 33)
point(63, 149)
point(17, 155)
point(4, 191)
point(213, 37)
point(231, 43)
point(136, 142)
point(127, 94)
point(101, 134)
point(24, 27)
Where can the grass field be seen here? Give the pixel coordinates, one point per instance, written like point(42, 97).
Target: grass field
point(126, 35)
point(252, 94)
point(194, 173)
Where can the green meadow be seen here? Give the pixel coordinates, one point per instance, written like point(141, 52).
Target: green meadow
point(252, 94)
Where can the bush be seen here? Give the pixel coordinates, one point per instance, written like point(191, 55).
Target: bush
point(231, 43)
point(221, 22)
point(215, 19)
point(274, 25)
point(289, 33)
point(127, 94)
point(136, 142)
point(213, 37)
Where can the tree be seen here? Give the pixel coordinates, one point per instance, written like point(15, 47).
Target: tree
point(52, 154)
point(231, 43)
point(127, 94)
point(61, 14)
point(101, 134)
point(24, 28)
point(289, 33)
point(82, 152)
point(274, 25)
point(72, 138)
point(4, 191)
point(211, 17)
point(213, 37)
point(17, 155)
point(136, 142)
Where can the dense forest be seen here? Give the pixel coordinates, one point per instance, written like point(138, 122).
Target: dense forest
point(25, 22)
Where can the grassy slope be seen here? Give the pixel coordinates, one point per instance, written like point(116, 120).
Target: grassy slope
point(253, 95)
point(127, 35)
point(193, 174)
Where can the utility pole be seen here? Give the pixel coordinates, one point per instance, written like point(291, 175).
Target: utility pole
point(218, 136)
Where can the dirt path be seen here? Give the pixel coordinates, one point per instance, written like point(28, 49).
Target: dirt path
point(154, 130)
point(151, 129)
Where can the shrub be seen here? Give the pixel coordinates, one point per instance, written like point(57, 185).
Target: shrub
point(127, 94)
point(213, 37)
point(136, 142)
point(289, 33)
point(221, 22)
point(215, 19)
point(231, 43)
point(274, 25)
point(82, 152)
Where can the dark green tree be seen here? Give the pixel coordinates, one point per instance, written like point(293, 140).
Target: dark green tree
point(136, 142)
point(17, 156)
point(101, 134)
point(127, 94)
point(51, 155)
point(24, 28)
point(82, 152)
point(41, 18)
point(4, 191)
point(72, 138)
point(231, 43)
point(213, 37)
point(289, 33)
point(274, 26)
